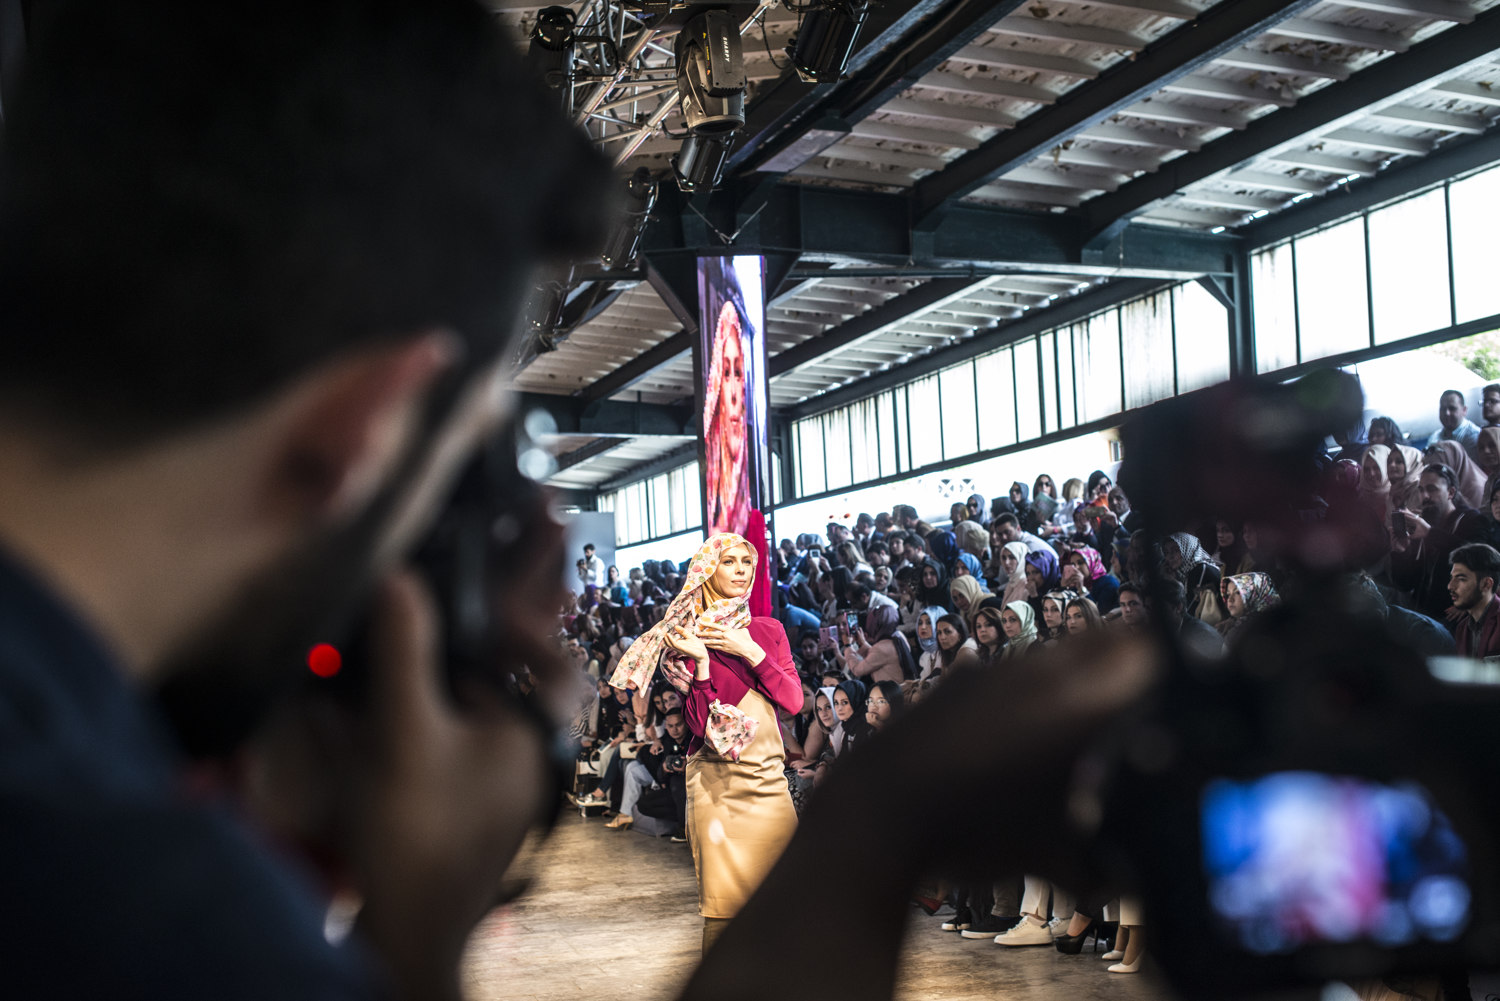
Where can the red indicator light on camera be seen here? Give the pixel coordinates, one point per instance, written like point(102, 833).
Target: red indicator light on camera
point(324, 660)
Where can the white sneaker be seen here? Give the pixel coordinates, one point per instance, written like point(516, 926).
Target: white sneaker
point(1028, 931)
point(1058, 926)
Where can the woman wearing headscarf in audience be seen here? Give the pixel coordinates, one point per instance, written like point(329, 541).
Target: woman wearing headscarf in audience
point(1072, 498)
point(1089, 575)
point(944, 548)
point(929, 659)
point(1020, 499)
point(1404, 467)
point(967, 566)
point(1231, 550)
point(989, 633)
point(1044, 500)
point(979, 510)
point(1384, 431)
point(1081, 616)
point(1487, 451)
point(1470, 478)
point(1043, 574)
point(1013, 559)
point(1246, 596)
point(966, 594)
point(973, 538)
point(879, 651)
point(1019, 623)
point(1374, 483)
point(1491, 511)
point(933, 588)
point(849, 709)
point(1054, 604)
point(956, 648)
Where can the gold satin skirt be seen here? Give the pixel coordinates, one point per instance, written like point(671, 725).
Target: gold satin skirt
point(739, 814)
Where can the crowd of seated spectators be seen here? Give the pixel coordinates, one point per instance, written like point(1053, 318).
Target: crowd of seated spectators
point(880, 611)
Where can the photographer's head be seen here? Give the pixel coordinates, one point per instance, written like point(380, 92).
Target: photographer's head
point(676, 724)
point(1471, 581)
point(257, 273)
point(1436, 490)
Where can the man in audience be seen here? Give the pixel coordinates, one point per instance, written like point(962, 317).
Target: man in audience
point(812, 659)
point(1490, 405)
point(864, 526)
point(1419, 558)
point(1132, 607)
point(884, 525)
point(1453, 415)
point(1119, 505)
point(1005, 529)
point(878, 554)
point(1195, 635)
point(658, 767)
point(906, 517)
point(595, 575)
point(838, 534)
point(864, 599)
point(1471, 585)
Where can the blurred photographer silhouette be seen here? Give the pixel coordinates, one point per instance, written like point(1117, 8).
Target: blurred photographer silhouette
point(258, 271)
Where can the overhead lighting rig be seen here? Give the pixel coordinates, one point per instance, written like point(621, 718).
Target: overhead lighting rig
point(711, 86)
point(820, 51)
point(625, 240)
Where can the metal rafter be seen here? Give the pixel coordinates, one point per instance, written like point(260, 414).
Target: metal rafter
point(1388, 82)
point(1219, 30)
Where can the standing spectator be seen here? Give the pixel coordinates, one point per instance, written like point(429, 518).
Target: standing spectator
point(593, 566)
point(1419, 558)
point(1471, 585)
point(1453, 415)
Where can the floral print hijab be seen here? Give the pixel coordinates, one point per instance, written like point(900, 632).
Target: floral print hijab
point(1255, 589)
point(638, 665)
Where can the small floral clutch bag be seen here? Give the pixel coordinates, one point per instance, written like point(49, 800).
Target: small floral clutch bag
point(729, 729)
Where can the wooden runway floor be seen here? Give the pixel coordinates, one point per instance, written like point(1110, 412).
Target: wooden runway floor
point(613, 916)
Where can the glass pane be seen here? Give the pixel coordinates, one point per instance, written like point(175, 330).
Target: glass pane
point(1028, 390)
point(960, 421)
point(1475, 206)
point(1097, 346)
point(1409, 267)
point(661, 507)
point(1049, 381)
point(836, 448)
point(809, 457)
point(996, 404)
point(926, 422)
point(1202, 337)
point(1333, 314)
point(1147, 328)
point(1274, 303)
point(903, 431)
point(862, 437)
point(694, 493)
point(885, 434)
point(1065, 377)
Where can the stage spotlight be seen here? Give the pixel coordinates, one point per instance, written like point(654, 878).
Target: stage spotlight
point(625, 241)
point(700, 163)
point(551, 51)
point(711, 74)
point(827, 35)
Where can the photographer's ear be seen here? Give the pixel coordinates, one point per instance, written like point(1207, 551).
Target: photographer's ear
point(347, 424)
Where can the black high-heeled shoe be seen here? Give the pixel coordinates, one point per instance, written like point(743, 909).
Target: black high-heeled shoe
point(1072, 945)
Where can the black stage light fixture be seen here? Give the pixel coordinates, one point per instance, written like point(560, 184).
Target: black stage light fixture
point(700, 163)
point(551, 50)
point(625, 241)
point(711, 74)
point(827, 35)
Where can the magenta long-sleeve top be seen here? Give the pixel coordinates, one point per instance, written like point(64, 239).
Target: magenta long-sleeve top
point(730, 677)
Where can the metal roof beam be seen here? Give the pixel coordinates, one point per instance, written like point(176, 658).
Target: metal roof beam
point(1309, 30)
point(923, 298)
point(1047, 197)
point(967, 115)
point(1438, 10)
point(1272, 181)
point(1177, 113)
point(610, 418)
point(1021, 59)
point(1327, 162)
point(957, 83)
point(1384, 141)
point(1199, 85)
point(1219, 30)
point(638, 367)
point(941, 138)
point(928, 33)
point(1125, 135)
point(1466, 90)
point(1166, 8)
point(1388, 81)
point(1283, 62)
point(1062, 31)
point(1430, 118)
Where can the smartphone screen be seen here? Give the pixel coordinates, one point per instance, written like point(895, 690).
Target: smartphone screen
point(851, 621)
point(1398, 524)
point(828, 637)
point(1304, 858)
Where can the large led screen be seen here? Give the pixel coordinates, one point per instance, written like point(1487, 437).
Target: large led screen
point(732, 377)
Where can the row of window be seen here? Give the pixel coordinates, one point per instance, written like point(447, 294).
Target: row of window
point(1418, 265)
point(1127, 356)
point(666, 504)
